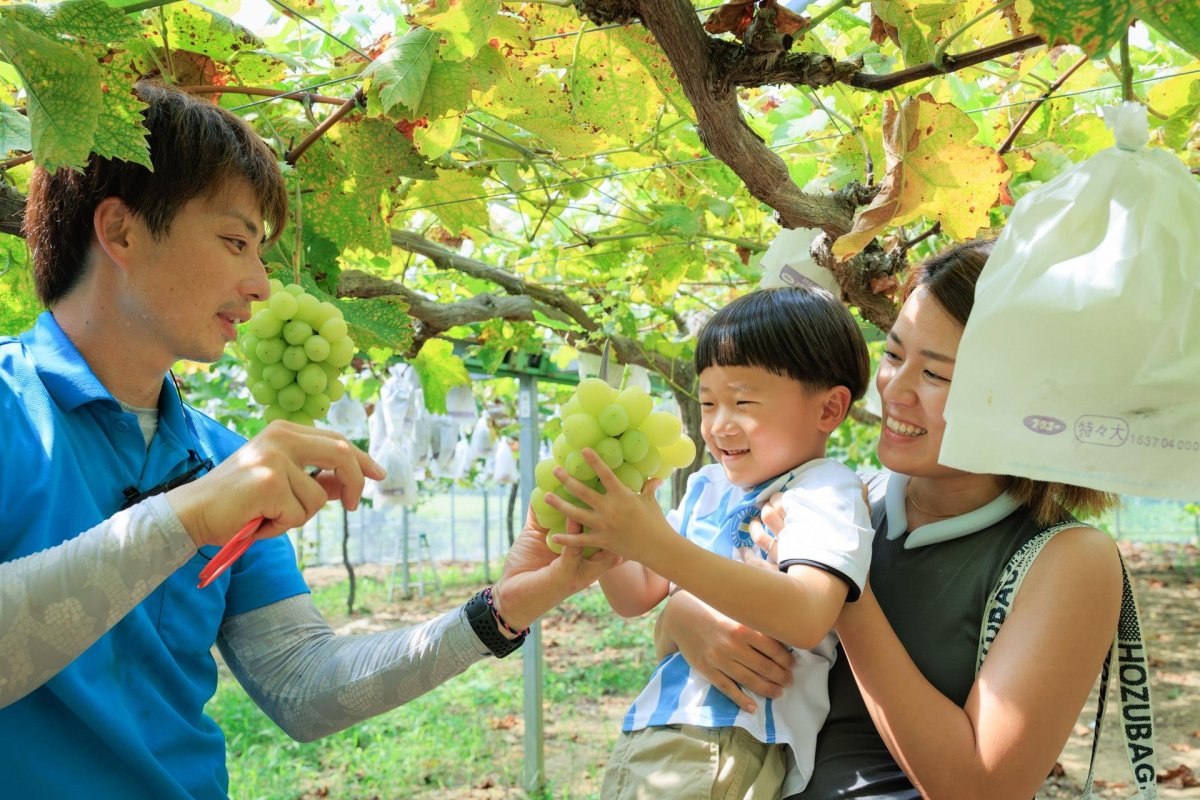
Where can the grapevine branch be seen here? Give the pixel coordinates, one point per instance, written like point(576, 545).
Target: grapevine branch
point(293, 155)
point(1054, 87)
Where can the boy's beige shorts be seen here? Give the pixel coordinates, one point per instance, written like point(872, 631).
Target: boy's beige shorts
point(684, 762)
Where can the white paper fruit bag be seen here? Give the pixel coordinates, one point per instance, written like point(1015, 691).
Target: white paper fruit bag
point(1080, 362)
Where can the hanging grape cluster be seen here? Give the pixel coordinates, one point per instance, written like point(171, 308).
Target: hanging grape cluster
point(635, 442)
point(296, 346)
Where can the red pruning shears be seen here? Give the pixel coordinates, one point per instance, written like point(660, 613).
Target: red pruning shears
point(232, 550)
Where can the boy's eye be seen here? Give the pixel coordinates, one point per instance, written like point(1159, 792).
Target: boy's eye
point(890, 356)
point(240, 244)
point(936, 377)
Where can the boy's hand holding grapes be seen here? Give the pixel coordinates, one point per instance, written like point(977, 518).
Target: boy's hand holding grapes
point(620, 520)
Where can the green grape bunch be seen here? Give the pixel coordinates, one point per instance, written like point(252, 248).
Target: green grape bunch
point(296, 346)
point(635, 442)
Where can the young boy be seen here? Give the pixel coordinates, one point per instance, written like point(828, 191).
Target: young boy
point(778, 371)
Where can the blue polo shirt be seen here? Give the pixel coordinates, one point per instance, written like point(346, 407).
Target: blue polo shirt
point(126, 718)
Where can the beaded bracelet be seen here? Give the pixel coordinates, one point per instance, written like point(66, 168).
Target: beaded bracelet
point(487, 596)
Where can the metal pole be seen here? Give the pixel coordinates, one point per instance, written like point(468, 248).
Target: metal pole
point(535, 761)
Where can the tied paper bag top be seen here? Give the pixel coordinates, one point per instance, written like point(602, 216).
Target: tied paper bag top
point(1080, 362)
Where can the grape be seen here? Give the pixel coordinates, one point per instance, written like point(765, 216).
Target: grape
point(264, 324)
point(628, 474)
point(570, 408)
point(269, 351)
point(679, 453)
point(650, 464)
point(307, 309)
point(610, 452)
point(293, 369)
point(262, 392)
point(312, 379)
point(560, 447)
point(296, 332)
point(637, 404)
point(290, 397)
point(333, 329)
point(578, 468)
point(316, 405)
point(661, 428)
point(278, 376)
point(634, 445)
point(582, 430)
point(554, 546)
point(547, 516)
point(293, 357)
point(283, 305)
point(316, 347)
point(594, 394)
point(613, 419)
point(544, 475)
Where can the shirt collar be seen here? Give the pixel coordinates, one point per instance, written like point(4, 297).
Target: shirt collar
point(70, 380)
point(942, 530)
point(60, 365)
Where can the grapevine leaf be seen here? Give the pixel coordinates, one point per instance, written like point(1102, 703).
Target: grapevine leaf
point(19, 305)
point(198, 30)
point(608, 84)
point(120, 132)
point(455, 197)
point(378, 322)
point(87, 22)
point(1178, 21)
point(440, 371)
point(463, 26)
point(64, 94)
point(403, 70)
point(933, 170)
point(645, 49)
point(1092, 25)
point(378, 155)
point(14, 131)
point(447, 90)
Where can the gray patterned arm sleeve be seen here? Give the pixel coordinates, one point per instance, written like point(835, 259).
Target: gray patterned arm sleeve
point(56, 603)
point(312, 682)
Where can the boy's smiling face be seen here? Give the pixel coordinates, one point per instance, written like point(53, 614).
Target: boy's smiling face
point(759, 425)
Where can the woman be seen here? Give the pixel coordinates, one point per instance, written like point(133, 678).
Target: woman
point(909, 717)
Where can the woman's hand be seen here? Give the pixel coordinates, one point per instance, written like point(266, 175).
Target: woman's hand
point(535, 578)
point(730, 656)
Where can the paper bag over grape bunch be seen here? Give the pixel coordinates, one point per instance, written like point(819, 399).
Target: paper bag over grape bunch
point(1080, 362)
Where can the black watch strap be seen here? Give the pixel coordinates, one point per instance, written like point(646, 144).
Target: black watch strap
point(483, 622)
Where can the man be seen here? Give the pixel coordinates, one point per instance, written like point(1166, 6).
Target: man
point(116, 494)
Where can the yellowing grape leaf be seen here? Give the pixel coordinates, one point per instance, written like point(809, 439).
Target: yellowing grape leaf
point(1093, 25)
point(64, 94)
point(455, 197)
point(440, 371)
point(608, 84)
point(538, 102)
point(933, 171)
point(1178, 20)
point(463, 26)
point(402, 72)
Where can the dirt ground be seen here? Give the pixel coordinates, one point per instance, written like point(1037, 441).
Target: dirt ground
point(1167, 584)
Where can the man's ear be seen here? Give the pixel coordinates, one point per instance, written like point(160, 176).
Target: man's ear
point(834, 407)
point(112, 224)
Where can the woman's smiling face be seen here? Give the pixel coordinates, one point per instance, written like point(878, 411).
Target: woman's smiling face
point(914, 382)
